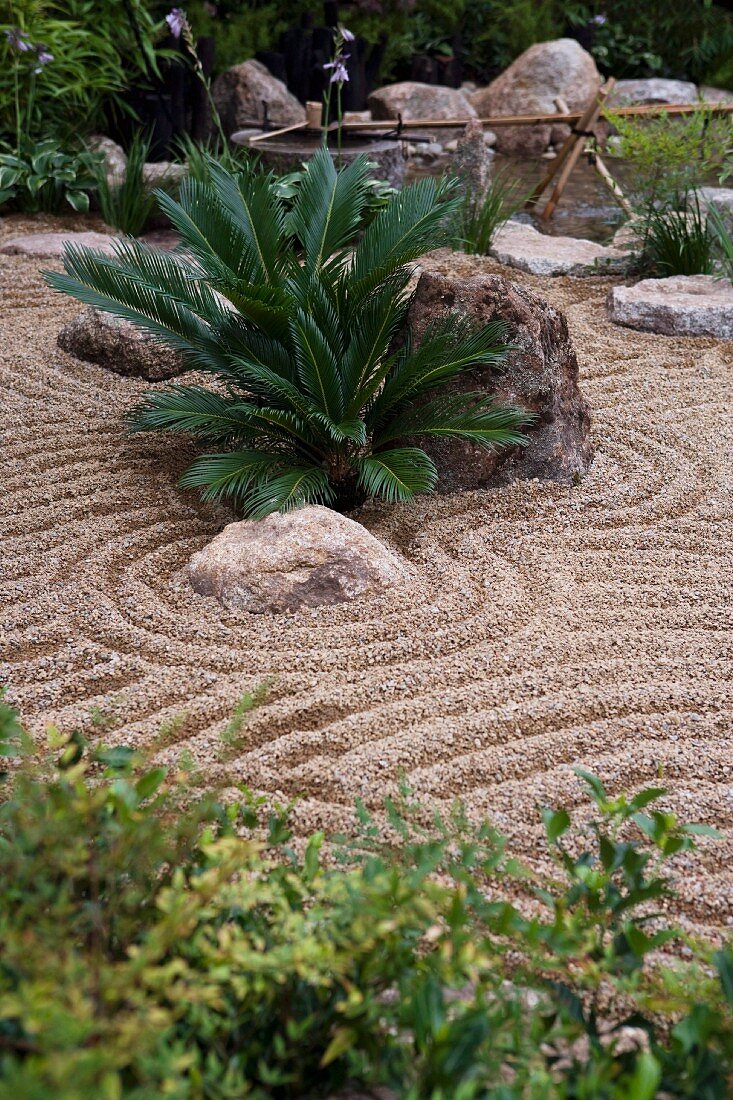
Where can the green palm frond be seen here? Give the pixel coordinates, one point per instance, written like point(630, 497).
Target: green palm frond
point(448, 348)
point(471, 416)
point(190, 410)
point(318, 367)
point(295, 487)
point(251, 199)
point(329, 208)
point(397, 475)
point(415, 221)
point(232, 473)
point(209, 232)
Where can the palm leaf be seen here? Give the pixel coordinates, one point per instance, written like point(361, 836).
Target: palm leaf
point(291, 489)
point(232, 474)
point(416, 221)
point(449, 347)
point(472, 416)
point(251, 199)
point(318, 367)
point(329, 207)
point(397, 475)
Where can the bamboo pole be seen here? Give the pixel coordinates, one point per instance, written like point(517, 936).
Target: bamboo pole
point(567, 147)
point(276, 133)
point(645, 109)
point(590, 117)
point(611, 184)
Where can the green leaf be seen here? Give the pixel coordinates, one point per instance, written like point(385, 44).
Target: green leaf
point(723, 961)
point(149, 783)
point(645, 1079)
point(344, 1038)
point(78, 200)
point(556, 823)
point(397, 475)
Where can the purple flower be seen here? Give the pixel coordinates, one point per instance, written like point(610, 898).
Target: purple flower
point(18, 40)
point(339, 74)
point(44, 56)
point(176, 20)
point(346, 35)
point(600, 20)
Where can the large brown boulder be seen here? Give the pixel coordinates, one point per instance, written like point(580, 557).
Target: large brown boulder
point(540, 374)
point(305, 558)
point(240, 92)
point(119, 345)
point(529, 87)
point(412, 100)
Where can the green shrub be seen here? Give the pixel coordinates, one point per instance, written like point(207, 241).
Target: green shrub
point(82, 55)
point(667, 156)
point(319, 402)
point(45, 177)
point(676, 239)
point(723, 239)
point(150, 950)
point(127, 201)
point(483, 212)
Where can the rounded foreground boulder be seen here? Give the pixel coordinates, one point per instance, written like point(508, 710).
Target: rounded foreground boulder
point(285, 562)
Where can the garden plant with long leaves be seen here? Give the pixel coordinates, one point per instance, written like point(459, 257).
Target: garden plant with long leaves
point(317, 399)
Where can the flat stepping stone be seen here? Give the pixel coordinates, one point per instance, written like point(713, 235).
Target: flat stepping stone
point(523, 247)
point(683, 305)
point(49, 245)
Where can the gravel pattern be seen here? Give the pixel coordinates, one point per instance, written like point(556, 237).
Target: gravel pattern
point(549, 626)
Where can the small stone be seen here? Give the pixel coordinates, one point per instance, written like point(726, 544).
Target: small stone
point(286, 562)
point(119, 345)
point(522, 246)
point(48, 245)
point(683, 305)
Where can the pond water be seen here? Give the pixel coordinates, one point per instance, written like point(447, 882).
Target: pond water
point(586, 209)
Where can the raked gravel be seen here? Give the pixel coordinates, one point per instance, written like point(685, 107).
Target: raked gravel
point(549, 626)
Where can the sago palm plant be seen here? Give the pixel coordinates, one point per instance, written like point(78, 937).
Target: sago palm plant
point(318, 401)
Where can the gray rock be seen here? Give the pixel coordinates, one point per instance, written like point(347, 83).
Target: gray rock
point(683, 305)
point(530, 86)
point(414, 100)
point(239, 93)
point(115, 160)
point(51, 245)
point(715, 95)
point(163, 173)
point(722, 199)
point(305, 558)
point(118, 345)
point(522, 246)
point(540, 374)
point(653, 90)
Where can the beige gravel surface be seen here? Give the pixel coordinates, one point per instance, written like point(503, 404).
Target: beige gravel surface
point(549, 627)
